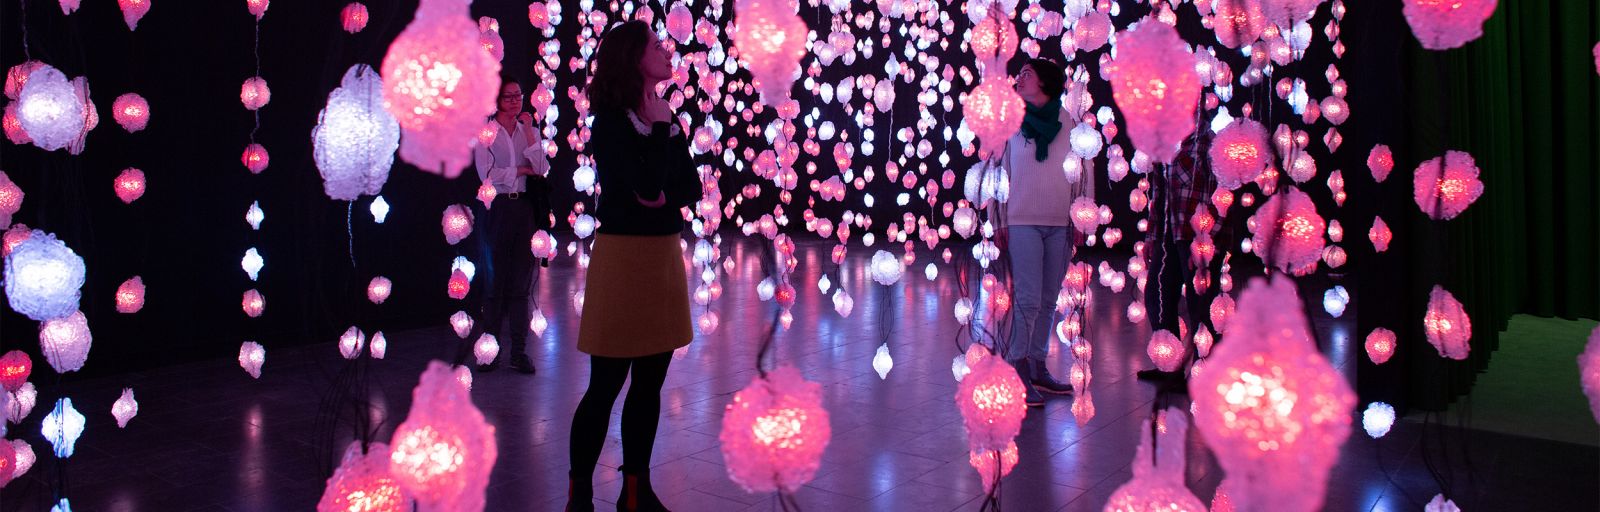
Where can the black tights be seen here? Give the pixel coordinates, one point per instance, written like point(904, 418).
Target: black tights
point(641, 412)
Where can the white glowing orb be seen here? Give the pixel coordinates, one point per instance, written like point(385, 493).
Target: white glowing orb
point(254, 215)
point(886, 269)
point(465, 266)
point(379, 346)
point(252, 263)
point(62, 427)
point(1377, 419)
point(50, 109)
point(462, 323)
point(351, 343)
point(486, 348)
point(882, 362)
point(251, 356)
point(43, 277)
point(379, 209)
point(355, 138)
point(125, 408)
point(1334, 303)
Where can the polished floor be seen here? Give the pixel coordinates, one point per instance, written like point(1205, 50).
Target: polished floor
point(210, 438)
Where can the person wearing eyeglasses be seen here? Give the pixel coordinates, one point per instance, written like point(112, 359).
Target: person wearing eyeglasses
point(516, 166)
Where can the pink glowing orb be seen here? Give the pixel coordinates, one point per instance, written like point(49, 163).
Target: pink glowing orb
point(258, 8)
point(1202, 341)
point(1156, 88)
point(771, 39)
point(132, 10)
point(1289, 230)
point(254, 93)
point(994, 39)
point(354, 17)
point(1380, 345)
point(992, 465)
point(1272, 408)
point(10, 198)
point(990, 399)
point(539, 15)
point(13, 237)
point(131, 111)
point(1444, 194)
point(8, 463)
point(443, 452)
point(1380, 161)
point(1286, 13)
point(362, 483)
point(253, 303)
point(461, 323)
point(774, 432)
point(459, 285)
point(1380, 235)
point(457, 223)
point(1239, 153)
point(130, 295)
point(255, 158)
point(993, 111)
point(1092, 31)
point(125, 408)
point(12, 124)
point(680, 23)
point(1588, 371)
point(15, 367)
point(1447, 325)
point(1166, 350)
point(1446, 24)
point(379, 288)
point(1085, 214)
point(1157, 484)
point(1238, 22)
point(440, 85)
point(129, 185)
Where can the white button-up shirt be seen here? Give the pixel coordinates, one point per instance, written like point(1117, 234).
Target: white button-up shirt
point(497, 164)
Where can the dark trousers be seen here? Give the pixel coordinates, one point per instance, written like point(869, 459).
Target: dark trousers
point(1165, 300)
point(505, 265)
point(641, 412)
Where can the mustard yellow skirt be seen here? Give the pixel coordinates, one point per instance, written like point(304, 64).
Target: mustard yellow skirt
point(636, 297)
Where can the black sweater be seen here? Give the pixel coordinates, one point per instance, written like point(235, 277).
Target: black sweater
point(631, 166)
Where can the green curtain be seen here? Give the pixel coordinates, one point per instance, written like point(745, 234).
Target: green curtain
point(1523, 101)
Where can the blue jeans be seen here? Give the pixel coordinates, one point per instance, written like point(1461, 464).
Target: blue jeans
point(1039, 257)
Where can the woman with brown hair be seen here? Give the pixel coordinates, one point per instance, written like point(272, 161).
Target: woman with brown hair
point(636, 299)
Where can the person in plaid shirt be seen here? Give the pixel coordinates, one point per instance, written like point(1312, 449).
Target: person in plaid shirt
point(1178, 191)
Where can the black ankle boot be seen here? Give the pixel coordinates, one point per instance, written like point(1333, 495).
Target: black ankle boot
point(580, 495)
point(637, 496)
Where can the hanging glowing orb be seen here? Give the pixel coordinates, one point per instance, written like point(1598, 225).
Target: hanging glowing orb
point(1377, 419)
point(770, 38)
point(1155, 87)
point(985, 462)
point(255, 158)
point(1289, 227)
point(251, 356)
point(440, 85)
point(1272, 408)
point(252, 263)
point(378, 346)
point(355, 139)
point(352, 342)
point(462, 323)
point(457, 223)
point(129, 185)
point(993, 111)
point(354, 17)
point(62, 427)
point(1446, 24)
point(1380, 235)
point(882, 362)
point(50, 109)
point(886, 269)
point(253, 303)
point(131, 111)
point(255, 215)
point(15, 366)
point(125, 408)
point(991, 401)
point(362, 482)
point(130, 295)
point(1380, 345)
point(1444, 193)
point(443, 452)
point(1239, 153)
point(1237, 22)
point(378, 289)
point(1447, 325)
point(774, 432)
point(43, 277)
point(1166, 350)
point(254, 93)
point(1158, 478)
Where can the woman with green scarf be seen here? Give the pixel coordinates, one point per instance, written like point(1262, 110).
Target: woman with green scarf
point(1036, 223)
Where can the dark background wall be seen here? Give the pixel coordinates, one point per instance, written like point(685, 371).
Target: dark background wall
point(187, 234)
